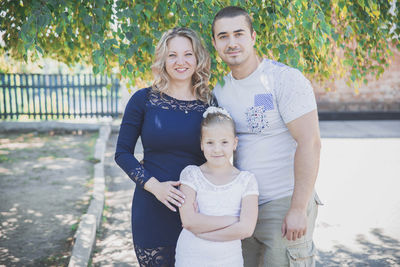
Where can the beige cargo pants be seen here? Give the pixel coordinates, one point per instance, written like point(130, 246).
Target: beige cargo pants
point(267, 248)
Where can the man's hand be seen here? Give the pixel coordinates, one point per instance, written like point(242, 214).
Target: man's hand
point(294, 224)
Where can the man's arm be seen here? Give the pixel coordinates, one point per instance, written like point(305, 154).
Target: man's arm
point(305, 130)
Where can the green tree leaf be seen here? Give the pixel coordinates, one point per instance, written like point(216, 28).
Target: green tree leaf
point(324, 39)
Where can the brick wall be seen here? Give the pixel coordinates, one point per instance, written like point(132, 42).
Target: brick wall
point(377, 95)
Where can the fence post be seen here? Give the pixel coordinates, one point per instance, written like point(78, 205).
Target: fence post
point(4, 113)
point(21, 85)
point(38, 96)
point(68, 112)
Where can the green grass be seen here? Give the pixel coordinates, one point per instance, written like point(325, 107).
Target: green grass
point(4, 158)
point(92, 159)
point(91, 144)
point(36, 178)
point(74, 227)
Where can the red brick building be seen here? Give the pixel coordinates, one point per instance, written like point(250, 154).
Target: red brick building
point(381, 95)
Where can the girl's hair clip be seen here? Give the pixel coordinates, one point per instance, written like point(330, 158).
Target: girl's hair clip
point(211, 110)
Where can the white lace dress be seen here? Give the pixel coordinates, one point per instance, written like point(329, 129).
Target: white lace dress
point(216, 200)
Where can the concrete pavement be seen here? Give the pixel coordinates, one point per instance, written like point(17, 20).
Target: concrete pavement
point(360, 129)
point(358, 182)
point(114, 241)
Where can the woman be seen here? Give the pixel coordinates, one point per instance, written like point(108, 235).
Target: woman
point(167, 116)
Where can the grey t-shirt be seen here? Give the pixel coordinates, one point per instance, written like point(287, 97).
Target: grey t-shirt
point(261, 105)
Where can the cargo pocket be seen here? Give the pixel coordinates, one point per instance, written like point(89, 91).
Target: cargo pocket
point(318, 200)
point(302, 255)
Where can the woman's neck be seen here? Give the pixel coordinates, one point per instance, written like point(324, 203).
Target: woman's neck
point(181, 90)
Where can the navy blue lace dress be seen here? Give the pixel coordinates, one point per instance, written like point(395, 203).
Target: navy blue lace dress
point(170, 133)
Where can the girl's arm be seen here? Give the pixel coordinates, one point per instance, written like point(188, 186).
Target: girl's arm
point(196, 222)
point(243, 228)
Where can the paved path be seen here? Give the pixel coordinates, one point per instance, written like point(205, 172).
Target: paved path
point(359, 181)
point(114, 242)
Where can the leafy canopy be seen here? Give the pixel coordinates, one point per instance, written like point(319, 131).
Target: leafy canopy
point(325, 39)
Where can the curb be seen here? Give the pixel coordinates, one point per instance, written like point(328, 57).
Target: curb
point(46, 126)
point(358, 115)
point(86, 234)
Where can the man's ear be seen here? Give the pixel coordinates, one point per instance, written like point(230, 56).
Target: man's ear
point(253, 37)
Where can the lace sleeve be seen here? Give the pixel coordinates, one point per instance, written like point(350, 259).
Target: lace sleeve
point(251, 187)
point(187, 177)
point(130, 129)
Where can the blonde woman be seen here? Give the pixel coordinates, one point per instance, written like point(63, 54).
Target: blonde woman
point(167, 116)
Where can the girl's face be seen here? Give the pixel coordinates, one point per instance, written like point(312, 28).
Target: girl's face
point(181, 61)
point(218, 143)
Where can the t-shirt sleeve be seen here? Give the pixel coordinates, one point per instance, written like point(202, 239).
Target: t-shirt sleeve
point(131, 127)
point(251, 187)
point(215, 94)
point(187, 177)
point(295, 95)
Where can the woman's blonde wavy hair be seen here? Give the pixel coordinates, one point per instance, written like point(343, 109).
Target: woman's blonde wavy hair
point(201, 74)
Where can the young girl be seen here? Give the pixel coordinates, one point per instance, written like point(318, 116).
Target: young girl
point(221, 203)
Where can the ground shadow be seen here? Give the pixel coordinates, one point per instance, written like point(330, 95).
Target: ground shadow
point(384, 251)
point(45, 183)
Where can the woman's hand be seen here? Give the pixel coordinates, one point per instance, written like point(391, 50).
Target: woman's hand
point(165, 192)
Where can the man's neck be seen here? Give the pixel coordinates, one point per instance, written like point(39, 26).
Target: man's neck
point(246, 68)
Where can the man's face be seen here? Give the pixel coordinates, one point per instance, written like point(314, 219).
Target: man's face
point(233, 40)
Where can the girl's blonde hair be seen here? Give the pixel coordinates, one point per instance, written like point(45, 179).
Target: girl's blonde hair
point(201, 74)
point(217, 116)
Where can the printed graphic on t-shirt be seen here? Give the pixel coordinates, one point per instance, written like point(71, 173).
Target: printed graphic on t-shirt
point(264, 100)
point(279, 64)
point(256, 116)
point(256, 119)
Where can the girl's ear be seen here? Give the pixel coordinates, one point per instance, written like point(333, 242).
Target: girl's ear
point(235, 143)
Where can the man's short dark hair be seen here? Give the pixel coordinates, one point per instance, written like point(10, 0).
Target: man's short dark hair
point(231, 12)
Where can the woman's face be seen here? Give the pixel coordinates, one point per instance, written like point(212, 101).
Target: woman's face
point(181, 61)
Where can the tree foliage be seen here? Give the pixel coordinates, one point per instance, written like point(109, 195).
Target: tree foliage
point(325, 39)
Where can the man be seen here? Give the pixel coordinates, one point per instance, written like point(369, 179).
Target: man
point(276, 117)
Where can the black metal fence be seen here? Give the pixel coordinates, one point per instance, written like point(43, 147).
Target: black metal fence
point(56, 96)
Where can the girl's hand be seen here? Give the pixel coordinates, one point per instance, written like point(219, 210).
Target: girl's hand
point(165, 192)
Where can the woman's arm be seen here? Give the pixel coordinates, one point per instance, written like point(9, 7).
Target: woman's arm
point(243, 228)
point(131, 128)
point(197, 222)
